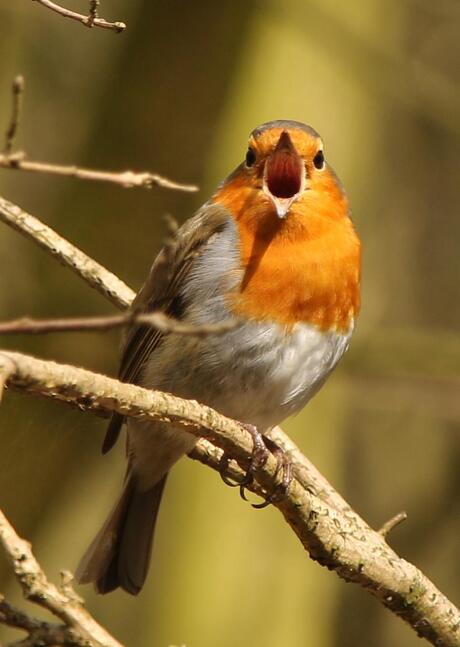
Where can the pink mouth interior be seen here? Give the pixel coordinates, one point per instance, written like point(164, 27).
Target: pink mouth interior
point(284, 174)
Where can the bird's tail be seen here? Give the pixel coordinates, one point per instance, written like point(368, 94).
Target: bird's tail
point(119, 555)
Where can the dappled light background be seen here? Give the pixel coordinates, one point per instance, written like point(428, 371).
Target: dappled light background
point(178, 93)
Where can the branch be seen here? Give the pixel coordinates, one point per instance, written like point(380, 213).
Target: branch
point(17, 89)
point(40, 632)
point(126, 179)
point(89, 21)
point(339, 540)
point(389, 525)
point(18, 161)
point(158, 320)
point(94, 274)
point(100, 279)
point(80, 628)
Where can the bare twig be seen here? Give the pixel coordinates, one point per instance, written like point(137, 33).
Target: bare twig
point(158, 320)
point(126, 179)
point(19, 161)
point(93, 11)
point(18, 88)
point(90, 21)
point(339, 540)
point(99, 278)
point(40, 632)
point(64, 604)
point(392, 523)
point(94, 274)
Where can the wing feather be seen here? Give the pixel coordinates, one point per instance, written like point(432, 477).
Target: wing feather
point(161, 291)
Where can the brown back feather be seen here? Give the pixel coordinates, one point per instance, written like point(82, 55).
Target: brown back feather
point(161, 291)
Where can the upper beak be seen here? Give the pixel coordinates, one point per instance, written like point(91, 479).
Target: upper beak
point(284, 175)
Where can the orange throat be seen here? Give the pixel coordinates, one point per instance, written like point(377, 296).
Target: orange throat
point(304, 268)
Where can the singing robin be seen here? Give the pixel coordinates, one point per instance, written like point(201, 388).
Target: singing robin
point(273, 248)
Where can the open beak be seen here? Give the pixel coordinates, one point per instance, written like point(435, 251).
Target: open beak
point(284, 175)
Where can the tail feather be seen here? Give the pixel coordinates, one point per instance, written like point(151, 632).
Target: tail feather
point(119, 555)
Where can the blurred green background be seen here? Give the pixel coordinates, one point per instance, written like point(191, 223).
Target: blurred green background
point(178, 93)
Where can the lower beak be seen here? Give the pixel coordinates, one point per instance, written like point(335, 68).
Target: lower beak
point(282, 205)
point(284, 175)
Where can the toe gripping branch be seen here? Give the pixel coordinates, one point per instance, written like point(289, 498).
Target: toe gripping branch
point(262, 446)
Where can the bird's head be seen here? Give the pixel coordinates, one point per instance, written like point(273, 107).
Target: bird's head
point(284, 173)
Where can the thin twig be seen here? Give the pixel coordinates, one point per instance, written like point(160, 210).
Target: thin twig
point(126, 179)
point(90, 271)
point(18, 89)
point(88, 21)
point(158, 320)
point(64, 604)
point(392, 523)
point(93, 11)
point(40, 632)
point(19, 161)
point(339, 540)
point(99, 278)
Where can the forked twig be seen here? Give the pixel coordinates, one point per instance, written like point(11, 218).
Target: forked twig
point(64, 603)
point(127, 179)
point(91, 20)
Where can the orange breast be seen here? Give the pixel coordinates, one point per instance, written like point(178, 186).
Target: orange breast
point(304, 268)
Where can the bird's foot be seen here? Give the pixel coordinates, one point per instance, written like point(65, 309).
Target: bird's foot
point(262, 446)
point(282, 464)
point(259, 457)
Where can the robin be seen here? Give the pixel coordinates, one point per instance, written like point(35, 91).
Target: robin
point(275, 249)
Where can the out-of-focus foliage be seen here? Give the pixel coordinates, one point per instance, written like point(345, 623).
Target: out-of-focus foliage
point(178, 93)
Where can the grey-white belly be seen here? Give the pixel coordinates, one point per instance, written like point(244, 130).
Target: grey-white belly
point(257, 374)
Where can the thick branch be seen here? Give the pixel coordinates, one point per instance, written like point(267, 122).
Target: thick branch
point(333, 534)
point(63, 603)
point(94, 274)
point(91, 20)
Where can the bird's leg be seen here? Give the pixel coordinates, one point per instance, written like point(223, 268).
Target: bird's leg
point(283, 463)
point(262, 445)
point(259, 457)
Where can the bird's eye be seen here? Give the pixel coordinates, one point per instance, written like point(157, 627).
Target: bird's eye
point(318, 160)
point(250, 157)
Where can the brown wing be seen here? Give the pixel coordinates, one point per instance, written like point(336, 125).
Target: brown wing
point(161, 291)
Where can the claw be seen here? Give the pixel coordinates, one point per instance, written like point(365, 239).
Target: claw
point(262, 445)
point(259, 457)
point(284, 464)
point(223, 464)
